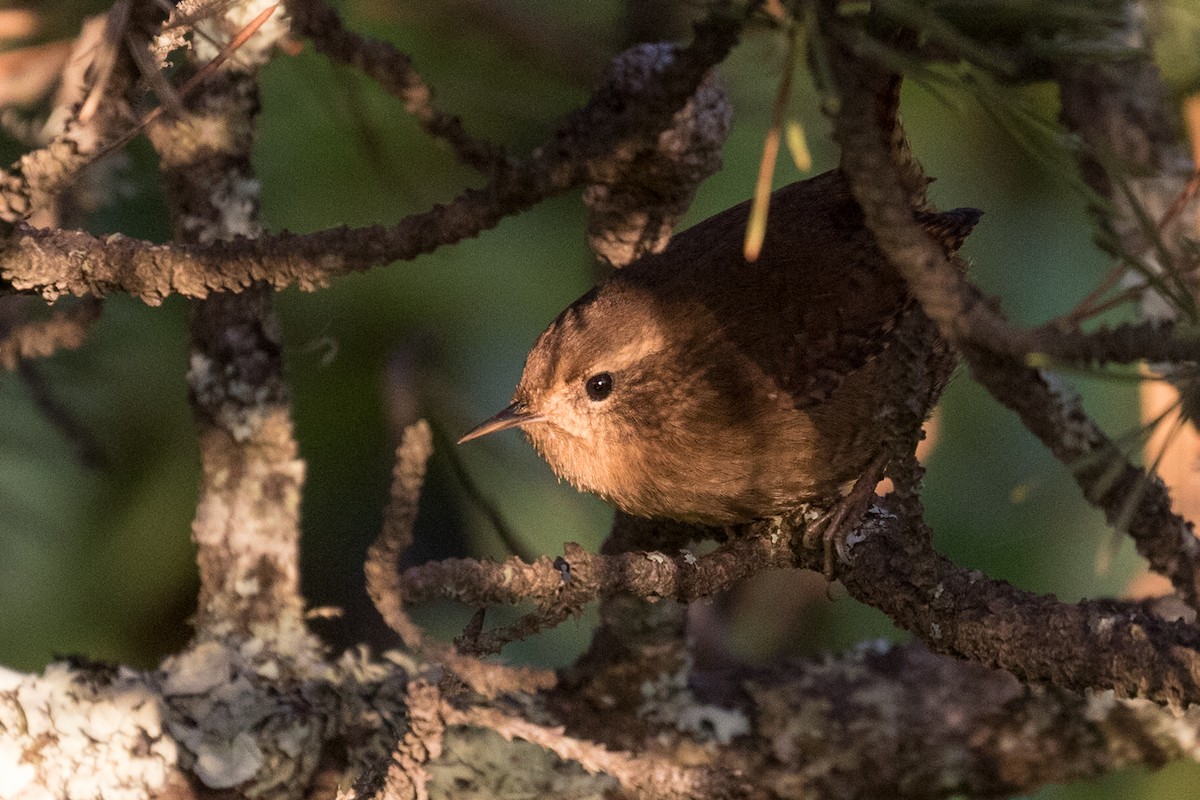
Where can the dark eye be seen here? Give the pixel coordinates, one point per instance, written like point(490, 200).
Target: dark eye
point(599, 386)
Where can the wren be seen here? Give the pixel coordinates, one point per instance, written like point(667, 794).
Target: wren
point(696, 386)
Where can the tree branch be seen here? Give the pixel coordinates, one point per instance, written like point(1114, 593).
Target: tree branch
point(247, 520)
point(831, 728)
point(65, 329)
point(54, 262)
point(969, 321)
point(395, 73)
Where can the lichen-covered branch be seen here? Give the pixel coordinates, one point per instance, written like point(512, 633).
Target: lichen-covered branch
point(57, 262)
point(834, 728)
point(1116, 645)
point(644, 774)
point(382, 569)
point(586, 576)
point(406, 776)
point(1088, 645)
point(247, 520)
point(969, 320)
point(983, 733)
point(387, 586)
point(38, 179)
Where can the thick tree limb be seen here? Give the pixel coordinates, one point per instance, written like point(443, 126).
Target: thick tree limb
point(247, 519)
point(834, 728)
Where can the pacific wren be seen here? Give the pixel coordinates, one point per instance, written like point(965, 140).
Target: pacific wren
point(699, 387)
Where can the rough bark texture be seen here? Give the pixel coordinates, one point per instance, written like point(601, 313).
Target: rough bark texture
point(1006, 690)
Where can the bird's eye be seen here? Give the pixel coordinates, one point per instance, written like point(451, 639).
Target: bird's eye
point(599, 386)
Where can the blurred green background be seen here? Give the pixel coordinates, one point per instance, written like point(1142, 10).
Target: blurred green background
point(96, 560)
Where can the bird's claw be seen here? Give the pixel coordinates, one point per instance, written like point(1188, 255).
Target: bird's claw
point(828, 530)
point(831, 527)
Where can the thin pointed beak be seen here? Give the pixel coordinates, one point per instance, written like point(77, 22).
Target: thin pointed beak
point(513, 416)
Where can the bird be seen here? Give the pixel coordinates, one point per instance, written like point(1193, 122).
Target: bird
point(696, 386)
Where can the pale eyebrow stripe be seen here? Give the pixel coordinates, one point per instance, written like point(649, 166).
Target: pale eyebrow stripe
point(634, 351)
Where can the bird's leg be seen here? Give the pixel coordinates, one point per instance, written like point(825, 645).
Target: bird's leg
point(831, 528)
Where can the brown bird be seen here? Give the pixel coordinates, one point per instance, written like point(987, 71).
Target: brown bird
point(699, 387)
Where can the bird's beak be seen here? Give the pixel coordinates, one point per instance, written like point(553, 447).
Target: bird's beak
point(513, 416)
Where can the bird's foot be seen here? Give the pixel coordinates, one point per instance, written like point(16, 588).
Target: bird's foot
point(831, 527)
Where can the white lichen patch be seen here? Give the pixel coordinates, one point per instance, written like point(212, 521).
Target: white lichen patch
point(669, 701)
point(83, 735)
point(230, 720)
point(707, 721)
point(225, 763)
point(236, 200)
point(794, 725)
point(1100, 705)
point(216, 29)
point(17, 776)
point(10, 679)
point(1175, 733)
point(196, 135)
point(198, 670)
point(238, 405)
point(873, 647)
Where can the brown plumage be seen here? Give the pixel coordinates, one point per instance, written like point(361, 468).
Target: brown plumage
point(696, 386)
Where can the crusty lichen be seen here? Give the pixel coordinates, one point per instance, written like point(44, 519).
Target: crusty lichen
point(637, 197)
point(83, 735)
point(479, 764)
point(227, 715)
point(667, 700)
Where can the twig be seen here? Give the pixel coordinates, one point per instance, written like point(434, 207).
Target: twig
point(1127, 343)
point(406, 777)
point(394, 71)
point(87, 448)
point(756, 228)
point(588, 576)
point(646, 775)
point(964, 317)
point(52, 263)
point(383, 557)
point(66, 329)
point(388, 591)
point(104, 61)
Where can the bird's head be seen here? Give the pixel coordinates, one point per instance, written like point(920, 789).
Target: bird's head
point(597, 389)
